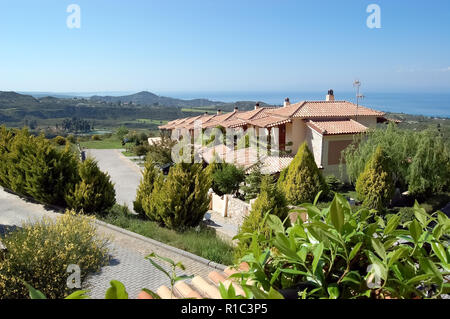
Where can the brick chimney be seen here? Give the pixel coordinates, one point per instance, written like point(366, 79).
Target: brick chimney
point(219, 111)
point(286, 102)
point(330, 95)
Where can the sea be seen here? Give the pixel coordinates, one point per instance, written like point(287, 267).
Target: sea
point(428, 104)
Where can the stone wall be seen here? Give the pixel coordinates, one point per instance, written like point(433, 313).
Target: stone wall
point(233, 209)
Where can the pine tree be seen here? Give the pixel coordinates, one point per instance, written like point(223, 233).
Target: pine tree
point(270, 200)
point(375, 186)
point(302, 180)
point(183, 200)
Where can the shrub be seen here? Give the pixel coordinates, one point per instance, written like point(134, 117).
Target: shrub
point(95, 192)
point(252, 185)
point(303, 180)
point(375, 186)
point(96, 137)
point(59, 140)
point(183, 199)
point(121, 132)
point(40, 253)
point(227, 178)
point(33, 166)
point(270, 200)
point(71, 138)
point(419, 160)
point(160, 152)
point(344, 254)
point(333, 183)
point(141, 150)
point(144, 205)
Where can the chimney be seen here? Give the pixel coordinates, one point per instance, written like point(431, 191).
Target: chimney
point(236, 108)
point(219, 111)
point(330, 95)
point(286, 102)
point(206, 113)
point(257, 106)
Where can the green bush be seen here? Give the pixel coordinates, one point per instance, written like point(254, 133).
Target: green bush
point(182, 200)
point(419, 160)
point(144, 205)
point(375, 186)
point(270, 200)
point(39, 253)
point(96, 137)
point(95, 192)
point(344, 254)
point(226, 179)
point(33, 166)
point(71, 138)
point(302, 180)
point(333, 183)
point(253, 180)
point(59, 140)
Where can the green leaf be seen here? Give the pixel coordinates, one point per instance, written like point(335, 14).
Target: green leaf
point(378, 267)
point(333, 291)
point(337, 215)
point(273, 294)
point(318, 250)
point(158, 267)
point(275, 224)
point(392, 224)
point(430, 268)
point(379, 248)
point(421, 214)
point(34, 293)
point(440, 252)
point(415, 230)
point(354, 251)
point(317, 198)
point(151, 293)
point(294, 271)
point(116, 291)
point(80, 294)
point(396, 254)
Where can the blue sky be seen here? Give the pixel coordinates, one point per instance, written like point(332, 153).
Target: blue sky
point(216, 45)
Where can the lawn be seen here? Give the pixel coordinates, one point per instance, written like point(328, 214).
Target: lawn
point(201, 241)
point(105, 143)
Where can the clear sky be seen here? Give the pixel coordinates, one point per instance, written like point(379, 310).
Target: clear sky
point(224, 45)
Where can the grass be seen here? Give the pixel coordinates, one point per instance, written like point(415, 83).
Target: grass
point(201, 241)
point(106, 143)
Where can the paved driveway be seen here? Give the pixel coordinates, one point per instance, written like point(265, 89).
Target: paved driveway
point(125, 174)
point(127, 251)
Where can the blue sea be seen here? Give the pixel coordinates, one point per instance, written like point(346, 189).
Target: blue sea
point(429, 104)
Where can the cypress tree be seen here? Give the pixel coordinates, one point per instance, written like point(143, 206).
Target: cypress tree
point(144, 192)
point(302, 180)
point(94, 193)
point(375, 186)
point(183, 200)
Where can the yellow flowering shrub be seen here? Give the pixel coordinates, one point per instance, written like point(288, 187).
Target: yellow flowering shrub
point(40, 253)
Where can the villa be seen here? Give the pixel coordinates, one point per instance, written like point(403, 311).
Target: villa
point(327, 126)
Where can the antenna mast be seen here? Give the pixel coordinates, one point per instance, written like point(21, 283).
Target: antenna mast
point(357, 84)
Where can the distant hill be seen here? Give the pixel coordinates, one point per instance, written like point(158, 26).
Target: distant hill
point(148, 98)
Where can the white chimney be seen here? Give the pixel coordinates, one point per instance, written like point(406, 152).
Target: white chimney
point(330, 95)
point(219, 112)
point(236, 108)
point(286, 102)
point(256, 106)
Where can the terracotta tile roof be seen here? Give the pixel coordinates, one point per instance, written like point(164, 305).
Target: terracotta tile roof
point(337, 127)
point(313, 109)
point(199, 287)
point(270, 120)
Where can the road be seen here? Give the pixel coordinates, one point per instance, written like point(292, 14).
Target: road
point(125, 174)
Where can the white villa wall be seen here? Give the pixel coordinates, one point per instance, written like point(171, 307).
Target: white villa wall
point(334, 169)
point(314, 140)
point(298, 134)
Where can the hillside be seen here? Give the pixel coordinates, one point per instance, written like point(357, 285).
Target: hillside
point(148, 98)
